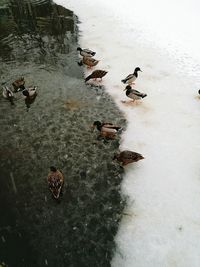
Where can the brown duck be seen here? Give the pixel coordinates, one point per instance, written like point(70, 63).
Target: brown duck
point(19, 84)
point(127, 157)
point(88, 61)
point(55, 181)
point(96, 74)
point(106, 129)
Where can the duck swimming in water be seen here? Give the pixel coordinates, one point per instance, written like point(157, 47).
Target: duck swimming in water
point(19, 84)
point(86, 52)
point(128, 156)
point(106, 129)
point(30, 93)
point(131, 77)
point(134, 94)
point(90, 62)
point(55, 181)
point(96, 74)
point(8, 94)
point(30, 96)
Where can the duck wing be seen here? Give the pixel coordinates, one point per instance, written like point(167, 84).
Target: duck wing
point(139, 94)
point(130, 76)
point(130, 155)
point(88, 52)
point(110, 126)
point(98, 73)
point(90, 61)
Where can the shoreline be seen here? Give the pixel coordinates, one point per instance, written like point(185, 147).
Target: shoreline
point(163, 190)
point(55, 130)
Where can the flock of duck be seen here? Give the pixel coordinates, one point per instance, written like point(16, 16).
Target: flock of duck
point(108, 130)
point(28, 93)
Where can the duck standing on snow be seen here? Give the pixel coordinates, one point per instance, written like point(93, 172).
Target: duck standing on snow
point(19, 84)
point(134, 94)
point(131, 77)
point(8, 94)
point(55, 181)
point(127, 157)
point(86, 52)
point(90, 62)
point(106, 129)
point(96, 74)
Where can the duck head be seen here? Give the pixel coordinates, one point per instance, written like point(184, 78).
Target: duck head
point(199, 91)
point(128, 87)
point(139, 157)
point(53, 169)
point(137, 69)
point(79, 49)
point(97, 124)
point(25, 93)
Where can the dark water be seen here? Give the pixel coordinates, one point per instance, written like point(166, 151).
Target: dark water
point(38, 40)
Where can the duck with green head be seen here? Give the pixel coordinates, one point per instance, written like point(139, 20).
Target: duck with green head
point(107, 129)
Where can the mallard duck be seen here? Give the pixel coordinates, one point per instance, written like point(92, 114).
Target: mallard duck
point(127, 157)
point(133, 94)
point(86, 52)
point(30, 92)
point(8, 94)
point(106, 129)
point(131, 77)
point(96, 74)
point(55, 181)
point(90, 62)
point(19, 84)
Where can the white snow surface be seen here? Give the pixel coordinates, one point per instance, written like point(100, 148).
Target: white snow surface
point(161, 224)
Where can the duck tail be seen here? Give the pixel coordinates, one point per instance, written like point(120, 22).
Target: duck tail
point(80, 63)
point(123, 81)
point(118, 128)
point(144, 95)
point(88, 78)
point(93, 53)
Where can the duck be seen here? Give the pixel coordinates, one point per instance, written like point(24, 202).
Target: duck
point(86, 52)
point(106, 129)
point(96, 74)
point(132, 77)
point(55, 181)
point(134, 94)
point(19, 84)
point(8, 94)
point(30, 92)
point(127, 157)
point(90, 62)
